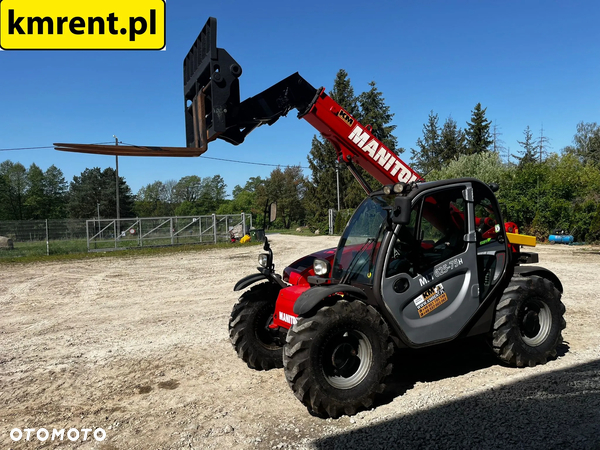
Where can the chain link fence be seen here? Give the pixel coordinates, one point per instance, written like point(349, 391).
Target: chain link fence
point(61, 236)
point(42, 237)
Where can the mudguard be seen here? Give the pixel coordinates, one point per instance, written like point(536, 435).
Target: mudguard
point(312, 297)
point(251, 279)
point(526, 271)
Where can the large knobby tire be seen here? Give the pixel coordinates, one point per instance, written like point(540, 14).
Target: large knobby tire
point(528, 323)
point(336, 361)
point(248, 331)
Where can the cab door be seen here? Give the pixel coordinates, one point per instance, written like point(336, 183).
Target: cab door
point(430, 281)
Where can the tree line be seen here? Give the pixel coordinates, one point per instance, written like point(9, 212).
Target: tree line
point(33, 194)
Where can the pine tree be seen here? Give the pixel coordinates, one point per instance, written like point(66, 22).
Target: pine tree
point(368, 108)
point(452, 141)
point(322, 188)
point(497, 142)
point(374, 112)
point(478, 135)
point(543, 144)
point(529, 154)
point(427, 157)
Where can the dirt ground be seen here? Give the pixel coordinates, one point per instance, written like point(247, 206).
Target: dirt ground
point(139, 347)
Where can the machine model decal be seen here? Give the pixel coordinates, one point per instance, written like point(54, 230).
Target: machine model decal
point(430, 299)
point(287, 318)
point(443, 269)
point(347, 118)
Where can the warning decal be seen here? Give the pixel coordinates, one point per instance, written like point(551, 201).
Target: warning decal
point(430, 300)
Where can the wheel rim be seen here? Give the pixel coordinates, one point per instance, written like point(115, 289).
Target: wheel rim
point(264, 318)
point(347, 359)
point(535, 322)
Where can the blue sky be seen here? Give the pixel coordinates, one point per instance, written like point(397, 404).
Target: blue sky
point(533, 63)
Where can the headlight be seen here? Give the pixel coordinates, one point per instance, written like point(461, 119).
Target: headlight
point(263, 260)
point(321, 267)
point(399, 188)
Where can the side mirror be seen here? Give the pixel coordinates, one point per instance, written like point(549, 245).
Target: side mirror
point(272, 212)
point(401, 211)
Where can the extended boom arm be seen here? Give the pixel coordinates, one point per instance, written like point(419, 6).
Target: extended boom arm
point(213, 111)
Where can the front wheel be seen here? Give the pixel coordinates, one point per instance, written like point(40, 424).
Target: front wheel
point(336, 360)
point(528, 323)
point(254, 343)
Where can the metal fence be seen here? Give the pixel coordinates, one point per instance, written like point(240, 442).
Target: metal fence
point(43, 237)
point(47, 237)
point(108, 234)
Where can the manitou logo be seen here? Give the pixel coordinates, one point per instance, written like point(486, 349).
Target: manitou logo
point(381, 154)
point(288, 318)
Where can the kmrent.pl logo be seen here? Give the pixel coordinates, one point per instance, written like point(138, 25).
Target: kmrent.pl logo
point(43, 434)
point(89, 25)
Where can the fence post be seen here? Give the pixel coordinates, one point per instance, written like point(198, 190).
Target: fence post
point(227, 225)
point(171, 231)
point(214, 218)
point(87, 234)
point(115, 231)
point(331, 221)
point(47, 240)
point(243, 224)
point(141, 236)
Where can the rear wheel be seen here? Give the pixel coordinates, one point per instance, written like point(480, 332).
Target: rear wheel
point(529, 322)
point(254, 343)
point(336, 360)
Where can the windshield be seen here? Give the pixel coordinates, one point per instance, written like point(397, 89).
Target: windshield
point(358, 246)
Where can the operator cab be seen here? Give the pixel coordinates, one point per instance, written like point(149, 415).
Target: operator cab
point(429, 255)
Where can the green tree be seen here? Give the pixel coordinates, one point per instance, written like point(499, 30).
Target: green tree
point(478, 134)
point(152, 200)
point(452, 141)
point(323, 156)
point(55, 192)
point(586, 143)
point(486, 167)
point(95, 188)
point(13, 191)
point(427, 156)
point(288, 188)
point(375, 113)
point(369, 108)
point(438, 146)
point(529, 153)
point(212, 194)
point(188, 189)
point(36, 200)
point(250, 186)
point(244, 199)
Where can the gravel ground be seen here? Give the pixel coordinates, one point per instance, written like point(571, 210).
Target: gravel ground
point(139, 347)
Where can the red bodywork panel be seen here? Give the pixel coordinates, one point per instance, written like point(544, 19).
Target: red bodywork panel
point(357, 144)
point(284, 308)
point(296, 274)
